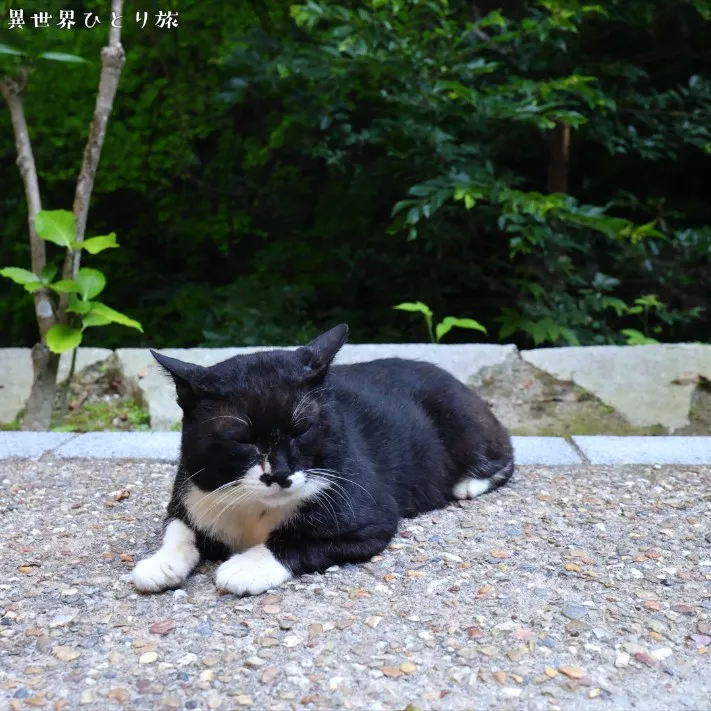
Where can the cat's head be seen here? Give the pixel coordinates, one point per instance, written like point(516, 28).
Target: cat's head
point(259, 421)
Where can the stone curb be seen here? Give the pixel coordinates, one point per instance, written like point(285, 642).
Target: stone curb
point(543, 451)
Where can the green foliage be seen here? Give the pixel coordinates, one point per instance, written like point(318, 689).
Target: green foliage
point(59, 227)
point(278, 169)
point(441, 329)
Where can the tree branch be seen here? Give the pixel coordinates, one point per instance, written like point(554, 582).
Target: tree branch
point(112, 59)
point(12, 90)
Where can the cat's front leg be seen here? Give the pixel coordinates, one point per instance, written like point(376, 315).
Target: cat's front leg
point(252, 572)
point(286, 556)
point(170, 566)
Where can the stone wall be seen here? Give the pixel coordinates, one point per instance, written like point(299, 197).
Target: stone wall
point(645, 386)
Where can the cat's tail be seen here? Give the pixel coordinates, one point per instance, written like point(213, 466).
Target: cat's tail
point(486, 476)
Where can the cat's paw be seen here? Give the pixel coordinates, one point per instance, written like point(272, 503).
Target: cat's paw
point(470, 487)
point(162, 571)
point(171, 565)
point(251, 573)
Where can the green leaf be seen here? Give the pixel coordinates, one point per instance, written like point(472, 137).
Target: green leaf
point(57, 226)
point(415, 307)
point(77, 306)
point(20, 276)
point(636, 338)
point(62, 57)
point(94, 245)
point(65, 286)
point(6, 49)
point(450, 322)
point(63, 338)
point(91, 283)
point(49, 271)
point(95, 319)
point(114, 316)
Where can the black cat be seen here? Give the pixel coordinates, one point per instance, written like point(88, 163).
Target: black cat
point(290, 465)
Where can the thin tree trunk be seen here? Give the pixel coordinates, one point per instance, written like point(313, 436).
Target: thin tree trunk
point(38, 411)
point(112, 59)
point(559, 158)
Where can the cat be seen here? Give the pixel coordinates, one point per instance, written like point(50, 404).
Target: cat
point(290, 464)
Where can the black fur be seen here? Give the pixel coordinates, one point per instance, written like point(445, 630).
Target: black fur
point(398, 434)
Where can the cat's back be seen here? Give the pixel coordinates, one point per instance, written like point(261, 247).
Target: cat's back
point(398, 377)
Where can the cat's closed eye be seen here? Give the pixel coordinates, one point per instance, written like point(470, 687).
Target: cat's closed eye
point(301, 428)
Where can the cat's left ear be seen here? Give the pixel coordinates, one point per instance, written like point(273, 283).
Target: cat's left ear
point(189, 379)
point(317, 355)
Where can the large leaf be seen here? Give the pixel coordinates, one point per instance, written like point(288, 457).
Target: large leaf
point(65, 286)
point(20, 276)
point(62, 57)
point(114, 316)
point(91, 283)
point(415, 307)
point(95, 319)
point(57, 226)
point(94, 245)
point(451, 322)
point(63, 338)
point(77, 306)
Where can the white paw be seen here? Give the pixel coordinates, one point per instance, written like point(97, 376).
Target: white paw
point(161, 571)
point(171, 565)
point(251, 572)
point(469, 488)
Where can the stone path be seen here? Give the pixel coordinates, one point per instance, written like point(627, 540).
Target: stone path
point(575, 587)
point(164, 447)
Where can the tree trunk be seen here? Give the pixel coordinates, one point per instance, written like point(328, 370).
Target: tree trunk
point(559, 158)
point(38, 413)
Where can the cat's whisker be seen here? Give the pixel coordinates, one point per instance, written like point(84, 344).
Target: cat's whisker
point(335, 475)
point(330, 503)
point(227, 417)
point(192, 476)
point(338, 489)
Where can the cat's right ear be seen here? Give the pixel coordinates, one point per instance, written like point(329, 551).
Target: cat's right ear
point(317, 355)
point(188, 379)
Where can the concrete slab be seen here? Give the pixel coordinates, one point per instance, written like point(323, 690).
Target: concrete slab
point(635, 380)
point(544, 451)
point(30, 445)
point(645, 450)
point(462, 360)
point(157, 446)
point(16, 375)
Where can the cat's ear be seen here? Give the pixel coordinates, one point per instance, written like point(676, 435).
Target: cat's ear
point(317, 355)
point(188, 378)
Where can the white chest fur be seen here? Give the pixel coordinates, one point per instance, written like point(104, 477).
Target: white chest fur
point(240, 525)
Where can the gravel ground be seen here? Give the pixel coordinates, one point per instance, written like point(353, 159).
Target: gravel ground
point(572, 588)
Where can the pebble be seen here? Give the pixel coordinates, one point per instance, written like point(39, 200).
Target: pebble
point(204, 629)
point(574, 612)
point(644, 658)
point(147, 658)
point(86, 697)
point(65, 654)
point(661, 653)
point(571, 672)
point(622, 659)
point(163, 627)
point(701, 640)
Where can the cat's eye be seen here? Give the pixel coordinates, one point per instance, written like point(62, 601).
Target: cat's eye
point(300, 429)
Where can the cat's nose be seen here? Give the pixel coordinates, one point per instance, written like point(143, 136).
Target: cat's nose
point(281, 478)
